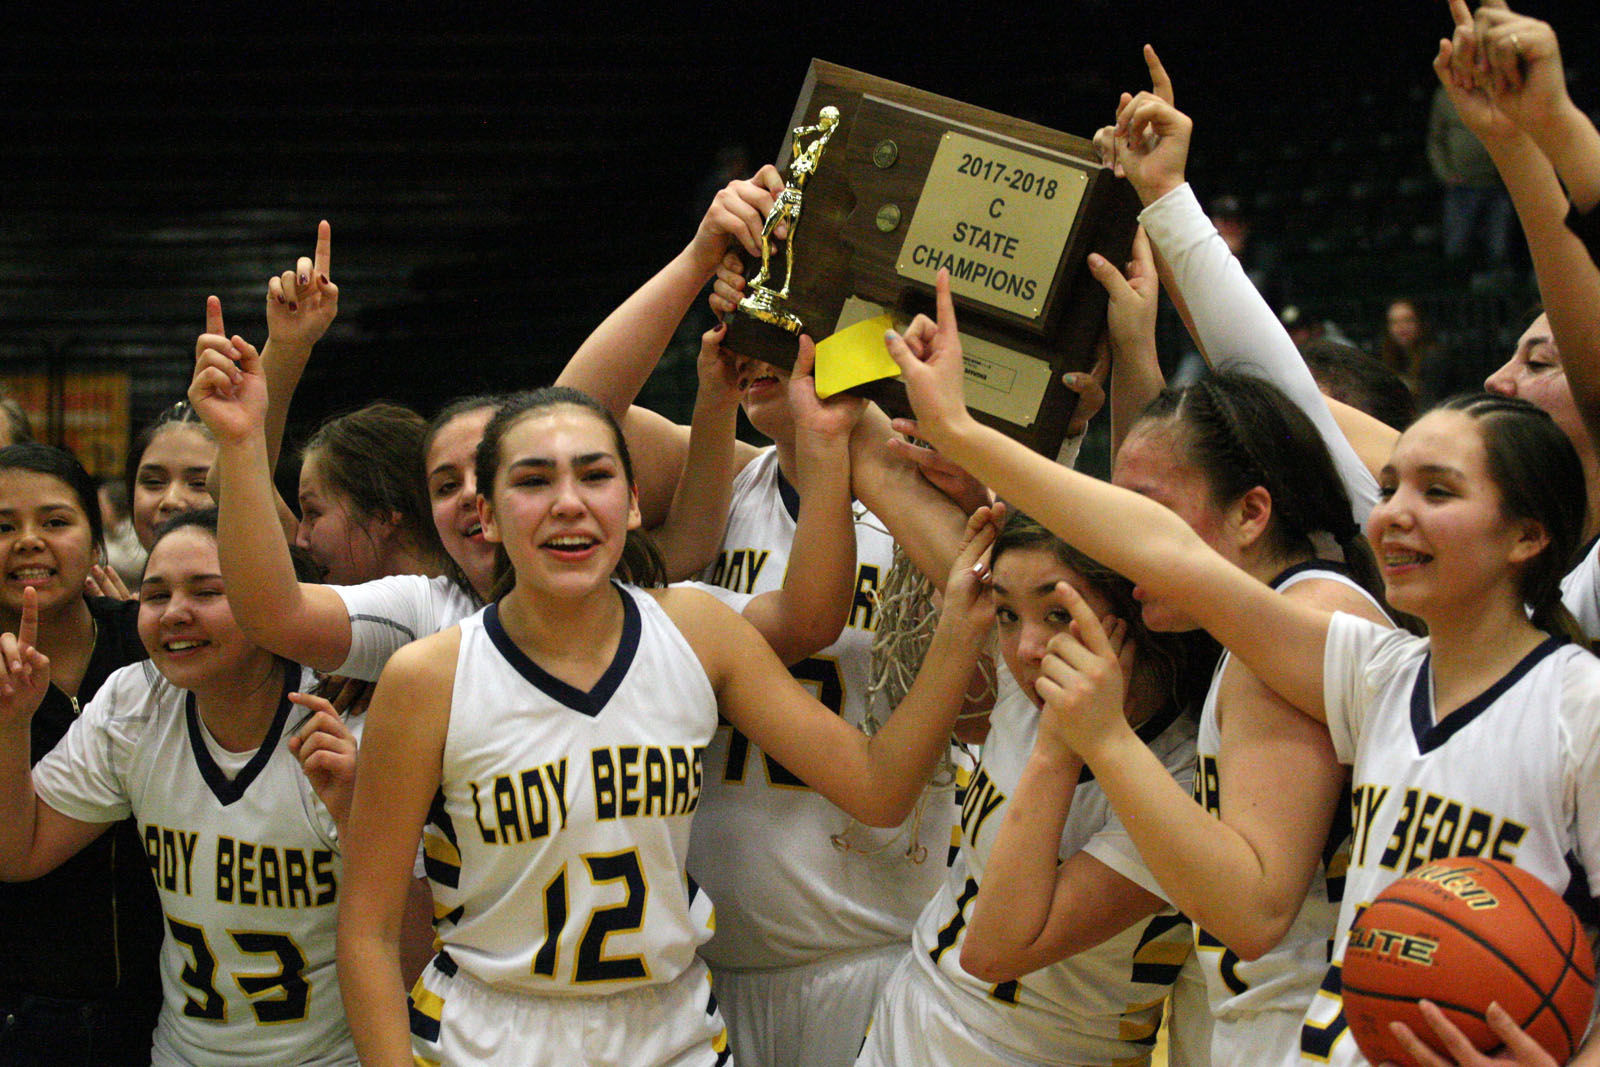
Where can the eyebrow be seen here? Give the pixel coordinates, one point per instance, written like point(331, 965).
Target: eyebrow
point(193, 469)
point(1388, 470)
point(60, 505)
point(544, 462)
point(156, 579)
point(1043, 589)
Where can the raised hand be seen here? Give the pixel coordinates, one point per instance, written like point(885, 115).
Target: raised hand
point(949, 478)
point(326, 750)
point(717, 368)
point(1519, 1047)
point(229, 389)
point(24, 670)
point(1149, 144)
point(1090, 385)
point(1520, 62)
point(1084, 677)
point(737, 215)
point(302, 303)
point(966, 592)
point(826, 422)
point(931, 363)
point(727, 286)
point(1464, 73)
point(1152, 139)
point(1133, 297)
point(103, 580)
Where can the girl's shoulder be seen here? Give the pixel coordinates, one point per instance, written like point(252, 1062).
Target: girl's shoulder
point(428, 661)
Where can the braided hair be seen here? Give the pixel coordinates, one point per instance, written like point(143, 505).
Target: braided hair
point(1540, 479)
point(1241, 432)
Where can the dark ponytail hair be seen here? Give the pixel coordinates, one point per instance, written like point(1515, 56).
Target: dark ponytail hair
point(1540, 478)
point(1181, 663)
point(1241, 432)
point(641, 563)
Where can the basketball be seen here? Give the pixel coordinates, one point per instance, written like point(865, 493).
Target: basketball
point(1465, 933)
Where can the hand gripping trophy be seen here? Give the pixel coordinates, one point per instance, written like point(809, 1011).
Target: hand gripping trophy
point(763, 302)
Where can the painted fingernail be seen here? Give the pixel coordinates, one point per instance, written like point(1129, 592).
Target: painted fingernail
point(304, 280)
point(293, 306)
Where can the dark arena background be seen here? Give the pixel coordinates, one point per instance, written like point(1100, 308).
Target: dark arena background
point(498, 179)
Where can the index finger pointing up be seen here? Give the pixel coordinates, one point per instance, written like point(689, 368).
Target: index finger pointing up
point(322, 259)
point(28, 628)
point(1160, 80)
point(945, 305)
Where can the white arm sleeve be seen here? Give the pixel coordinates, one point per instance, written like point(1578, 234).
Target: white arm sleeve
point(1239, 331)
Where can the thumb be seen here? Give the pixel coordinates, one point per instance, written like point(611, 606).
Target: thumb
point(1110, 278)
point(805, 360)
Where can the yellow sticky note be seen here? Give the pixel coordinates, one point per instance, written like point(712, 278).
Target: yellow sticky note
point(854, 356)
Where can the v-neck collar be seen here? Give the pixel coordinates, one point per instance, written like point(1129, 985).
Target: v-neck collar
point(1147, 731)
point(595, 700)
point(1430, 734)
point(1293, 569)
point(225, 789)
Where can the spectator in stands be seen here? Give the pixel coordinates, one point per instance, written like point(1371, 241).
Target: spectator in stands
point(1475, 201)
point(1306, 324)
point(123, 551)
point(14, 425)
point(1258, 257)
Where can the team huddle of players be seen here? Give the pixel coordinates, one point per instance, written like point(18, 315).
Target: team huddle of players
point(453, 768)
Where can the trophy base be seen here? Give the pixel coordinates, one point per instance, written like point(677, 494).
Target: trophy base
point(766, 306)
point(758, 329)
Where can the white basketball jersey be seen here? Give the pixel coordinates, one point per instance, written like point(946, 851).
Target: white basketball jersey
point(388, 613)
point(1580, 591)
point(1278, 985)
point(764, 843)
point(1104, 1005)
point(247, 868)
point(556, 848)
point(1513, 775)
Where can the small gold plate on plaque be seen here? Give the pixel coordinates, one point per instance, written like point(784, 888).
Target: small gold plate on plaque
point(998, 218)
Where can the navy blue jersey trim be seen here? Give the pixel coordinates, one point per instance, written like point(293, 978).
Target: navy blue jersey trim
point(225, 789)
point(1147, 731)
point(595, 700)
point(789, 495)
point(1309, 565)
point(1429, 734)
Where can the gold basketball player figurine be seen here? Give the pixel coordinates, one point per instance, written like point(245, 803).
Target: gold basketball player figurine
point(765, 303)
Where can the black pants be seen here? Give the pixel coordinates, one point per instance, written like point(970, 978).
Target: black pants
point(38, 1031)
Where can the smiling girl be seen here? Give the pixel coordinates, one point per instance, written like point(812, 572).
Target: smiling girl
point(1479, 739)
point(597, 700)
point(1041, 849)
point(78, 948)
point(201, 752)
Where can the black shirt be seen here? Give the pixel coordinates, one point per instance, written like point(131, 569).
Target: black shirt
point(92, 927)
